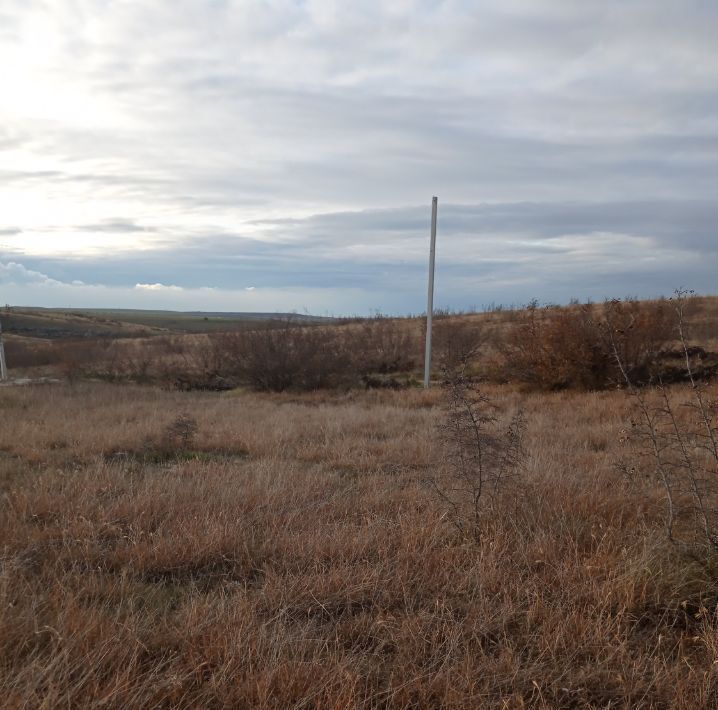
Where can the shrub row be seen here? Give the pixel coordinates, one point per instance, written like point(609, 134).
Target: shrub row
point(547, 348)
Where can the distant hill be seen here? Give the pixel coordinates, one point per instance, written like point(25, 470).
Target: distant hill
point(53, 323)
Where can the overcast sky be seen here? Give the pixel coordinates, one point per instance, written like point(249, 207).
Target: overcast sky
point(282, 154)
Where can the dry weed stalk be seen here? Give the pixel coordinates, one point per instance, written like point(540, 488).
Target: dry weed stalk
point(482, 454)
point(681, 439)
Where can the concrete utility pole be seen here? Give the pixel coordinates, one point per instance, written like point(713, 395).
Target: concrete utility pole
point(430, 304)
point(3, 367)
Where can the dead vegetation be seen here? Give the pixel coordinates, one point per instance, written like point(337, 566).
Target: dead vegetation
point(320, 570)
point(483, 456)
point(539, 347)
point(680, 437)
point(558, 348)
point(365, 548)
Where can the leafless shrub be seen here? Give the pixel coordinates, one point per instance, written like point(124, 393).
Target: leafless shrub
point(181, 432)
point(280, 358)
point(22, 353)
point(72, 358)
point(456, 342)
point(300, 357)
point(566, 347)
point(482, 454)
point(381, 346)
point(83, 358)
point(186, 363)
point(679, 438)
point(640, 332)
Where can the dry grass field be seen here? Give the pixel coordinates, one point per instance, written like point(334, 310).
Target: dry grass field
point(288, 553)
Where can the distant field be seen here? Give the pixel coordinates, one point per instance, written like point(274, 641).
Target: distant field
point(89, 323)
point(60, 324)
point(198, 321)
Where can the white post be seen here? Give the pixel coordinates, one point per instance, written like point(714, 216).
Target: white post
point(430, 304)
point(3, 367)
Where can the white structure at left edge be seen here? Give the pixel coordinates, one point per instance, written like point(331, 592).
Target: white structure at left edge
point(3, 367)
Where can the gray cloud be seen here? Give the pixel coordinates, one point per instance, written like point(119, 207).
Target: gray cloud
point(279, 143)
point(506, 253)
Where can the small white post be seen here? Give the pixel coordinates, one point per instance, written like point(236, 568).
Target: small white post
point(430, 304)
point(3, 367)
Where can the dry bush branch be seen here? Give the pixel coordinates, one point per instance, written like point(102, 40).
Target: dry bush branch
point(482, 454)
point(681, 438)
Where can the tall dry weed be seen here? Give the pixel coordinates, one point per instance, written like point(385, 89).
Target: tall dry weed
point(678, 436)
point(482, 455)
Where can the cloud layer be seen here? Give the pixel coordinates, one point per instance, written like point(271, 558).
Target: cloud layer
point(294, 147)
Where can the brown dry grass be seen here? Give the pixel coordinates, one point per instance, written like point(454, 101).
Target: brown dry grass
point(294, 558)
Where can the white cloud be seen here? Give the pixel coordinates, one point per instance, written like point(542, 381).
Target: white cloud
point(157, 287)
point(14, 274)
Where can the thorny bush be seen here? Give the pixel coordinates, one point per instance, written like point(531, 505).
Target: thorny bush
point(678, 437)
point(483, 454)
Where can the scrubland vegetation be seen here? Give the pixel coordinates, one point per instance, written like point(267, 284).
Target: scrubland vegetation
point(278, 517)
